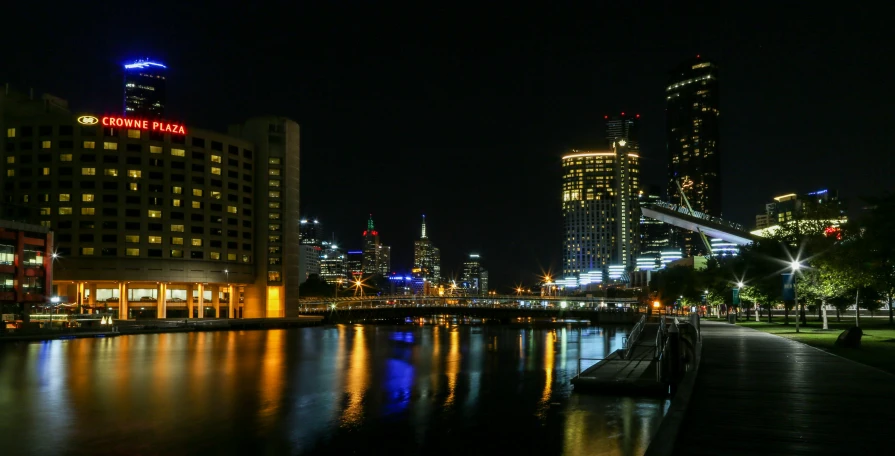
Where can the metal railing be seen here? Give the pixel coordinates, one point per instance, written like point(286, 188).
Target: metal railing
point(699, 215)
point(630, 340)
point(598, 360)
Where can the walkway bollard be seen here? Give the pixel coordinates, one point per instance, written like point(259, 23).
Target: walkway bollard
point(674, 356)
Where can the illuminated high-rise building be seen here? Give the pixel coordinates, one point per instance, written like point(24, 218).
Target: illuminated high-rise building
point(600, 209)
point(427, 257)
point(475, 278)
point(654, 235)
point(310, 232)
point(692, 136)
point(377, 257)
point(144, 89)
point(624, 126)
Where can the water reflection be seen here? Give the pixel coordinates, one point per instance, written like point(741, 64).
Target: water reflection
point(338, 389)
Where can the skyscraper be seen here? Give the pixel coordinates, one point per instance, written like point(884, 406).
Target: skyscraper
point(427, 257)
point(371, 248)
point(475, 277)
point(625, 127)
point(144, 89)
point(654, 234)
point(693, 142)
point(600, 211)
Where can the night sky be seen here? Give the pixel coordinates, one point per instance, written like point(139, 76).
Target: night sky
point(462, 113)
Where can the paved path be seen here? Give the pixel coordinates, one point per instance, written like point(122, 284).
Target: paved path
point(757, 393)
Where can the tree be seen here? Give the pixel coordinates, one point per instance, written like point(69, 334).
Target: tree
point(315, 287)
point(823, 280)
point(875, 247)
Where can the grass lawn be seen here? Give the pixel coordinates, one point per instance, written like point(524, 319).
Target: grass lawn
point(877, 344)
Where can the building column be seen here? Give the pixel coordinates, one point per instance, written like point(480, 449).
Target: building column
point(162, 302)
point(122, 301)
point(189, 300)
point(216, 300)
point(91, 300)
point(201, 302)
point(231, 302)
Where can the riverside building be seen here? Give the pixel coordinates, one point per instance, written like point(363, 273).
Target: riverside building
point(154, 218)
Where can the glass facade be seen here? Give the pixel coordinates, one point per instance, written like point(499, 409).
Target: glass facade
point(144, 91)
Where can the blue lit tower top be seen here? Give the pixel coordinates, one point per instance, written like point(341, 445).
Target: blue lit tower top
point(144, 89)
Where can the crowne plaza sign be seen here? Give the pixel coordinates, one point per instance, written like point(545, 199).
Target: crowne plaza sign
point(160, 126)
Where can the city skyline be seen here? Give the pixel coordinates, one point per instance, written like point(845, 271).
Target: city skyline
point(437, 143)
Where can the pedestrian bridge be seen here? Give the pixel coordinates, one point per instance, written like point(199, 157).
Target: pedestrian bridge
point(498, 308)
point(711, 226)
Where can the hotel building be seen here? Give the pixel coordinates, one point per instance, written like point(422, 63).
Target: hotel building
point(154, 218)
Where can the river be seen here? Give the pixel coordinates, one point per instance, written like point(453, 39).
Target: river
point(345, 389)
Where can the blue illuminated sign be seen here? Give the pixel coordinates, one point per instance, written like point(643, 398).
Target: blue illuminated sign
point(141, 64)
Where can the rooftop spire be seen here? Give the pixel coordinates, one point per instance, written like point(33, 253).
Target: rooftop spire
point(370, 223)
point(424, 227)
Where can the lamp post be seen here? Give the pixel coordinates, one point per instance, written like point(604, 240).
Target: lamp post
point(795, 266)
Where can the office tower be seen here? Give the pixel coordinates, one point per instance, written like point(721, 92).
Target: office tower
point(427, 257)
point(333, 264)
point(384, 260)
point(600, 209)
point(655, 235)
point(692, 136)
point(144, 89)
point(821, 206)
point(371, 249)
point(624, 126)
point(310, 233)
point(308, 261)
point(475, 278)
point(354, 264)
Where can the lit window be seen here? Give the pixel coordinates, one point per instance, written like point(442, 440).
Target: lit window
point(216, 194)
point(197, 205)
point(155, 149)
point(155, 239)
point(132, 252)
point(133, 186)
point(274, 238)
point(273, 161)
point(176, 253)
point(177, 190)
point(274, 183)
point(133, 134)
point(65, 197)
point(231, 257)
point(177, 228)
point(197, 192)
point(10, 173)
point(111, 172)
point(45, 223)
point(273, 172)
point(134, 173)
point(273, 205)
point(45, 171)
point(110, 146)
point(88, 171)
point(64, 211)
point(215, 170)
point(273, 276)
point(196, 242)
point(231, 209)
point(25, 198)
point(46, 211)
point(273, 194)
point(274, 216)
point(215, 158)
point(86, 250)
point(90, 144)
point(11, 159)
point(177, 240)
point(10, 132)
point(88, 211)
point(46, 144)
point(65, 157)
point(132, 238)
point(178, 152)
point(176, 202)
point(274, 227)
point(215, 255)
point(155, 214)
point(87, 197)
point(246, 258)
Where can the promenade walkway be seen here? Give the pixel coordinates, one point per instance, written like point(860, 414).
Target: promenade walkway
point(759, 394)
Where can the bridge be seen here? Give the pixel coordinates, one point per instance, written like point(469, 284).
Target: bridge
point(496, 308)
point(682, 217)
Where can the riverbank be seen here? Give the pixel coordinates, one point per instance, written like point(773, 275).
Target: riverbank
point(128, 327)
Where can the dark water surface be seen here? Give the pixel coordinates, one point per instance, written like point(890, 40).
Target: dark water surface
point(347, 389)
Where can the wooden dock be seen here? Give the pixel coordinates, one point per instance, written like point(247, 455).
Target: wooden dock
point(637, 375)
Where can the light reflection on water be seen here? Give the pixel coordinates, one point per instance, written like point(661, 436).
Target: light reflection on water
point(345, 388)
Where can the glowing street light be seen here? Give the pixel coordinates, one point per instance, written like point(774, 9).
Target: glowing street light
point(795, 265)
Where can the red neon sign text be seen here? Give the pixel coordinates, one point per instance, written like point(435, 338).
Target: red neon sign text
point(141, 124)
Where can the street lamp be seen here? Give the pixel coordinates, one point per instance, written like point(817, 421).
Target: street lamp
point(795, 266)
